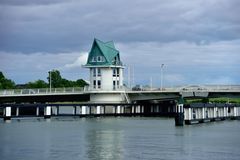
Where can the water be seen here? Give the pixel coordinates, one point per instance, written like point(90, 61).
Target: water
point(117, 138)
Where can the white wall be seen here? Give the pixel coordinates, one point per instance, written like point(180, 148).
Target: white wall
point(111, 97)
point(106, 79)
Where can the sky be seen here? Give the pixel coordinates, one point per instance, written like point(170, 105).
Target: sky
point(197, 41)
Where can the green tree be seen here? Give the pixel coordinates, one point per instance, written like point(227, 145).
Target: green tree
point(56, 79)
point(6, 83)
point(80, 83)
point(205, 100)
point(37, 84)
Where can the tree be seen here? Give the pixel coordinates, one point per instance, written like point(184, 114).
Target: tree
point(205, 100)
point(6, 83)
point(80, 83)
point(37, 84)
point(56, 79)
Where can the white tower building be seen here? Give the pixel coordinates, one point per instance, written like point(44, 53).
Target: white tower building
point(106, 69)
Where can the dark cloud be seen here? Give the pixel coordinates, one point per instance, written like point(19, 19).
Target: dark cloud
point(30, 2)
point(171, 32)
point(73, 25)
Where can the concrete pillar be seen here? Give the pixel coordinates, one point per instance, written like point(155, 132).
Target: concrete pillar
point(203, 113)
point(118, 109)
point(221, 112)
point(7, 113)
point(84, 110)
point(58, 110)
point(235, 111)
point(157, 108)
point(122, 109)
point(214, 112)
point(37, 111)
point(74, 110)
point(133, 109)
point(179, 117)
point(47, 112)
point(142, 109)
point(98, 110)
point(151, 109)
point(17, 111)
point(80, 110)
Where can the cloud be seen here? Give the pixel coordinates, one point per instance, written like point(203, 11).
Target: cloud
point(81, 60)
point(185, 63)
point(28, 67)
point(70, 26)
point(196, 40)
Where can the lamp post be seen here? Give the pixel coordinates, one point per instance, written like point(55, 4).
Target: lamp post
point(162, 77)
point(50, 81)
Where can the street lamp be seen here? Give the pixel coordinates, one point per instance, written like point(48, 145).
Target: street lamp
point(162, 77)
point(50, 81)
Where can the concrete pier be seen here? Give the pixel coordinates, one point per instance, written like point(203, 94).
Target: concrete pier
point(47, 112)
point(199, 113)
point(7, 113)
point(179, 117)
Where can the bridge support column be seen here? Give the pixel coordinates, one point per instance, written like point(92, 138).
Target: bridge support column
point(133, 109)
point(122, 109)
point(47, 112)
point(203, 113)
point(235, 112)
point(17, 111)
point(224, 112)
point(179, 117)
point(84, 108)
point(7, 113)
point(118, 109)
point(142, 109)
point(74, 110)
point(37, 111)
point(138, 109)
point(98, 110)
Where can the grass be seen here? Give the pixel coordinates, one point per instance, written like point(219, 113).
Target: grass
point(214, 100)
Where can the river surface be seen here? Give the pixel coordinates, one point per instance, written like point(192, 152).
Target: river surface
point(117, 138)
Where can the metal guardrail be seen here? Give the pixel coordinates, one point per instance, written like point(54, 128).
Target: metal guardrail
point(43, 91)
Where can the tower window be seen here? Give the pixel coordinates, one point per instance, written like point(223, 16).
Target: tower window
point(117, 72)
point(94, 83)
point(98, 72)
point(117, 84)
point(94, 59)
point(114, 84)
point(114, 72)
point(99, 83)
point(94, 72)
point(99, 58)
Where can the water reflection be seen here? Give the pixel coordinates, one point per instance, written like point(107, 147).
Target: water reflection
point(104, 144)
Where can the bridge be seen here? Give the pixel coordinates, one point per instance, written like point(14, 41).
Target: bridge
point(141, 101)
point(107, 95)
point(130, 95)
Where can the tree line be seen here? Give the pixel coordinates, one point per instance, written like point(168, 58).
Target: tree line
point(57, 81)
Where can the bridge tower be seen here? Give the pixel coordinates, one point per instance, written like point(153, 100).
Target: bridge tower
point(106, 69)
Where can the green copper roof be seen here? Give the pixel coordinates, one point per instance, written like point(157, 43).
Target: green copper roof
point(105, 49)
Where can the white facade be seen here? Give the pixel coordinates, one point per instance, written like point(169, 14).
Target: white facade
point(106, 78)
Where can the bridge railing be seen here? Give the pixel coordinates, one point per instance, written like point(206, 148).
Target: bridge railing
point(42, 91)
point(206, 88)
